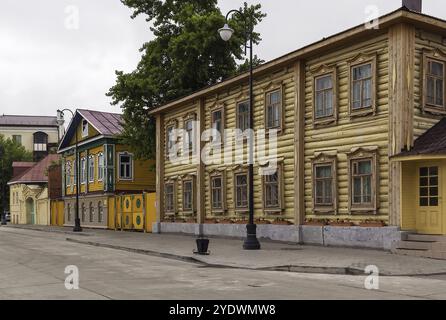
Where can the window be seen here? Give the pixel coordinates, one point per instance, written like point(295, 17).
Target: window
point(188, 196)
point(100, 166)
point(362, 87)
point(74, 173)
point(91, 168)
point(241, 191)
point(169, 193)
point(40, 141)
point(273, 109)
point(272, 190)
point(217, 124)
point(324, 183)
point(83, 170)
point(243, 115)
point(217, 192)
point(189, 138)
point(100, 212)
point(429, 182)
point(84, 128)
point(125, 166)
point(67, 173)
point(324, 99)
point(363, 180)
point(170, 138)
point(435, 83)
point(91, 212)
point(17, 139)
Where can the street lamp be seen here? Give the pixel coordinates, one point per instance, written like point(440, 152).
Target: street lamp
point(77, 221)
point(251, 242)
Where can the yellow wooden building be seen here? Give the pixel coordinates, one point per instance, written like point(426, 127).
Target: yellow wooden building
point(107, 171)
point(344, 108)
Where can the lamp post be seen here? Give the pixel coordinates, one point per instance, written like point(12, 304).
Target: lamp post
point(3, 183)
point(251, 242)
point(77, 221)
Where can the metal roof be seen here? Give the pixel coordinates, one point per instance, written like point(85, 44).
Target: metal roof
point(29, 121)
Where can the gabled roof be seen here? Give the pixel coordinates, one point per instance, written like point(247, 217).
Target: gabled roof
point(432, 142)
point(107, 124)
point(37, 173)
point(34, 121)
point(401, 15)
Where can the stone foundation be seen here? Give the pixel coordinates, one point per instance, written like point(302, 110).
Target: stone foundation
point(360, 237)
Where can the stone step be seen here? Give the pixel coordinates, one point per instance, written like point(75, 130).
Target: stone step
point(426, 238)
point(415, 245)
point(412, 252)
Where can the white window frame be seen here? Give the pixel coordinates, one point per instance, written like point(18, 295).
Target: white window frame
point(130, 155)
point(100, 173)
point(90, 163)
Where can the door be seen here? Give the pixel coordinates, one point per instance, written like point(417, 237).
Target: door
point(429, 210)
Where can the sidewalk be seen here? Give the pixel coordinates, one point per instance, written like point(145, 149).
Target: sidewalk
point(273, 256)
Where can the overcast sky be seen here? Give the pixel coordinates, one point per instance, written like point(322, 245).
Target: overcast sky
point(50, 59)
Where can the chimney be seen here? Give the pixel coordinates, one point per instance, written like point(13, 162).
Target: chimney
point(413, 5)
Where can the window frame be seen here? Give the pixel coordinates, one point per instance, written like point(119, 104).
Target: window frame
point(319, 161)
point(172, 211)
point(220, 109)
point(237, 114)
point(17, 138)
point(192, 209)
point(244, 209)
point(440, 57)
point(91, 161)
point(132, 166)
point(83, 172)
point(221, 176)
point(101, 169)
point(68, 169)
point(267, 94)
point(321, 73)
point(192, 151)
point(360, 61)
point(280, 183)
point(363, 154)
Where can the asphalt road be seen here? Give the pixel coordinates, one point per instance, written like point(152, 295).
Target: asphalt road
point(33, 266)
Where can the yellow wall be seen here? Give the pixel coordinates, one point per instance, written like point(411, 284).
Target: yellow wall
point(27, 135)
point(92, 132)
point(409, 196)
point(19, 194)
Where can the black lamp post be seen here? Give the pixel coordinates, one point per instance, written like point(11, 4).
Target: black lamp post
point(3, 213)
point(251, 242)
point(77, 221)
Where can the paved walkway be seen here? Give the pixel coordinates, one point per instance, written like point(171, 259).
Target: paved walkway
point(273, 256)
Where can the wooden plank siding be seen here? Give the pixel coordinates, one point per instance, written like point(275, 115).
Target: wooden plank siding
point(423, 40)
point(349, 132)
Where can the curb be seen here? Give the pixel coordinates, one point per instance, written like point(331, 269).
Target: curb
point(49, 231)
point(291, 268)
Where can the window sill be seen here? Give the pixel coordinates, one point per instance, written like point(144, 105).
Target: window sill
point(435, 110)
point(362, 112)
point(324, 210)
point(273, 211)
point(324, 122)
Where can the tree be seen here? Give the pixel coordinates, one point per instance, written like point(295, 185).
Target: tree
point(186, 55)
point(10, 151)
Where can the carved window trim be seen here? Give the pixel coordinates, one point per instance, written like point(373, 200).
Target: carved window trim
point(174, 210)
point(319, 73)
point(438, 56)
point(268, 90)
point(191, 116)
point(214, 175)
point(237, 172)
point(219, 108)
point(362, 154)
point(325, 160)
point(189, 179)
point(358, 61)
point(278, 210)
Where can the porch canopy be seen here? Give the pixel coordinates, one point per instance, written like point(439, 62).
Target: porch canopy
point(429, 146)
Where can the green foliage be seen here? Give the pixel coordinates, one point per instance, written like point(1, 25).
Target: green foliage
point(10, 151)
point(186, 55)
